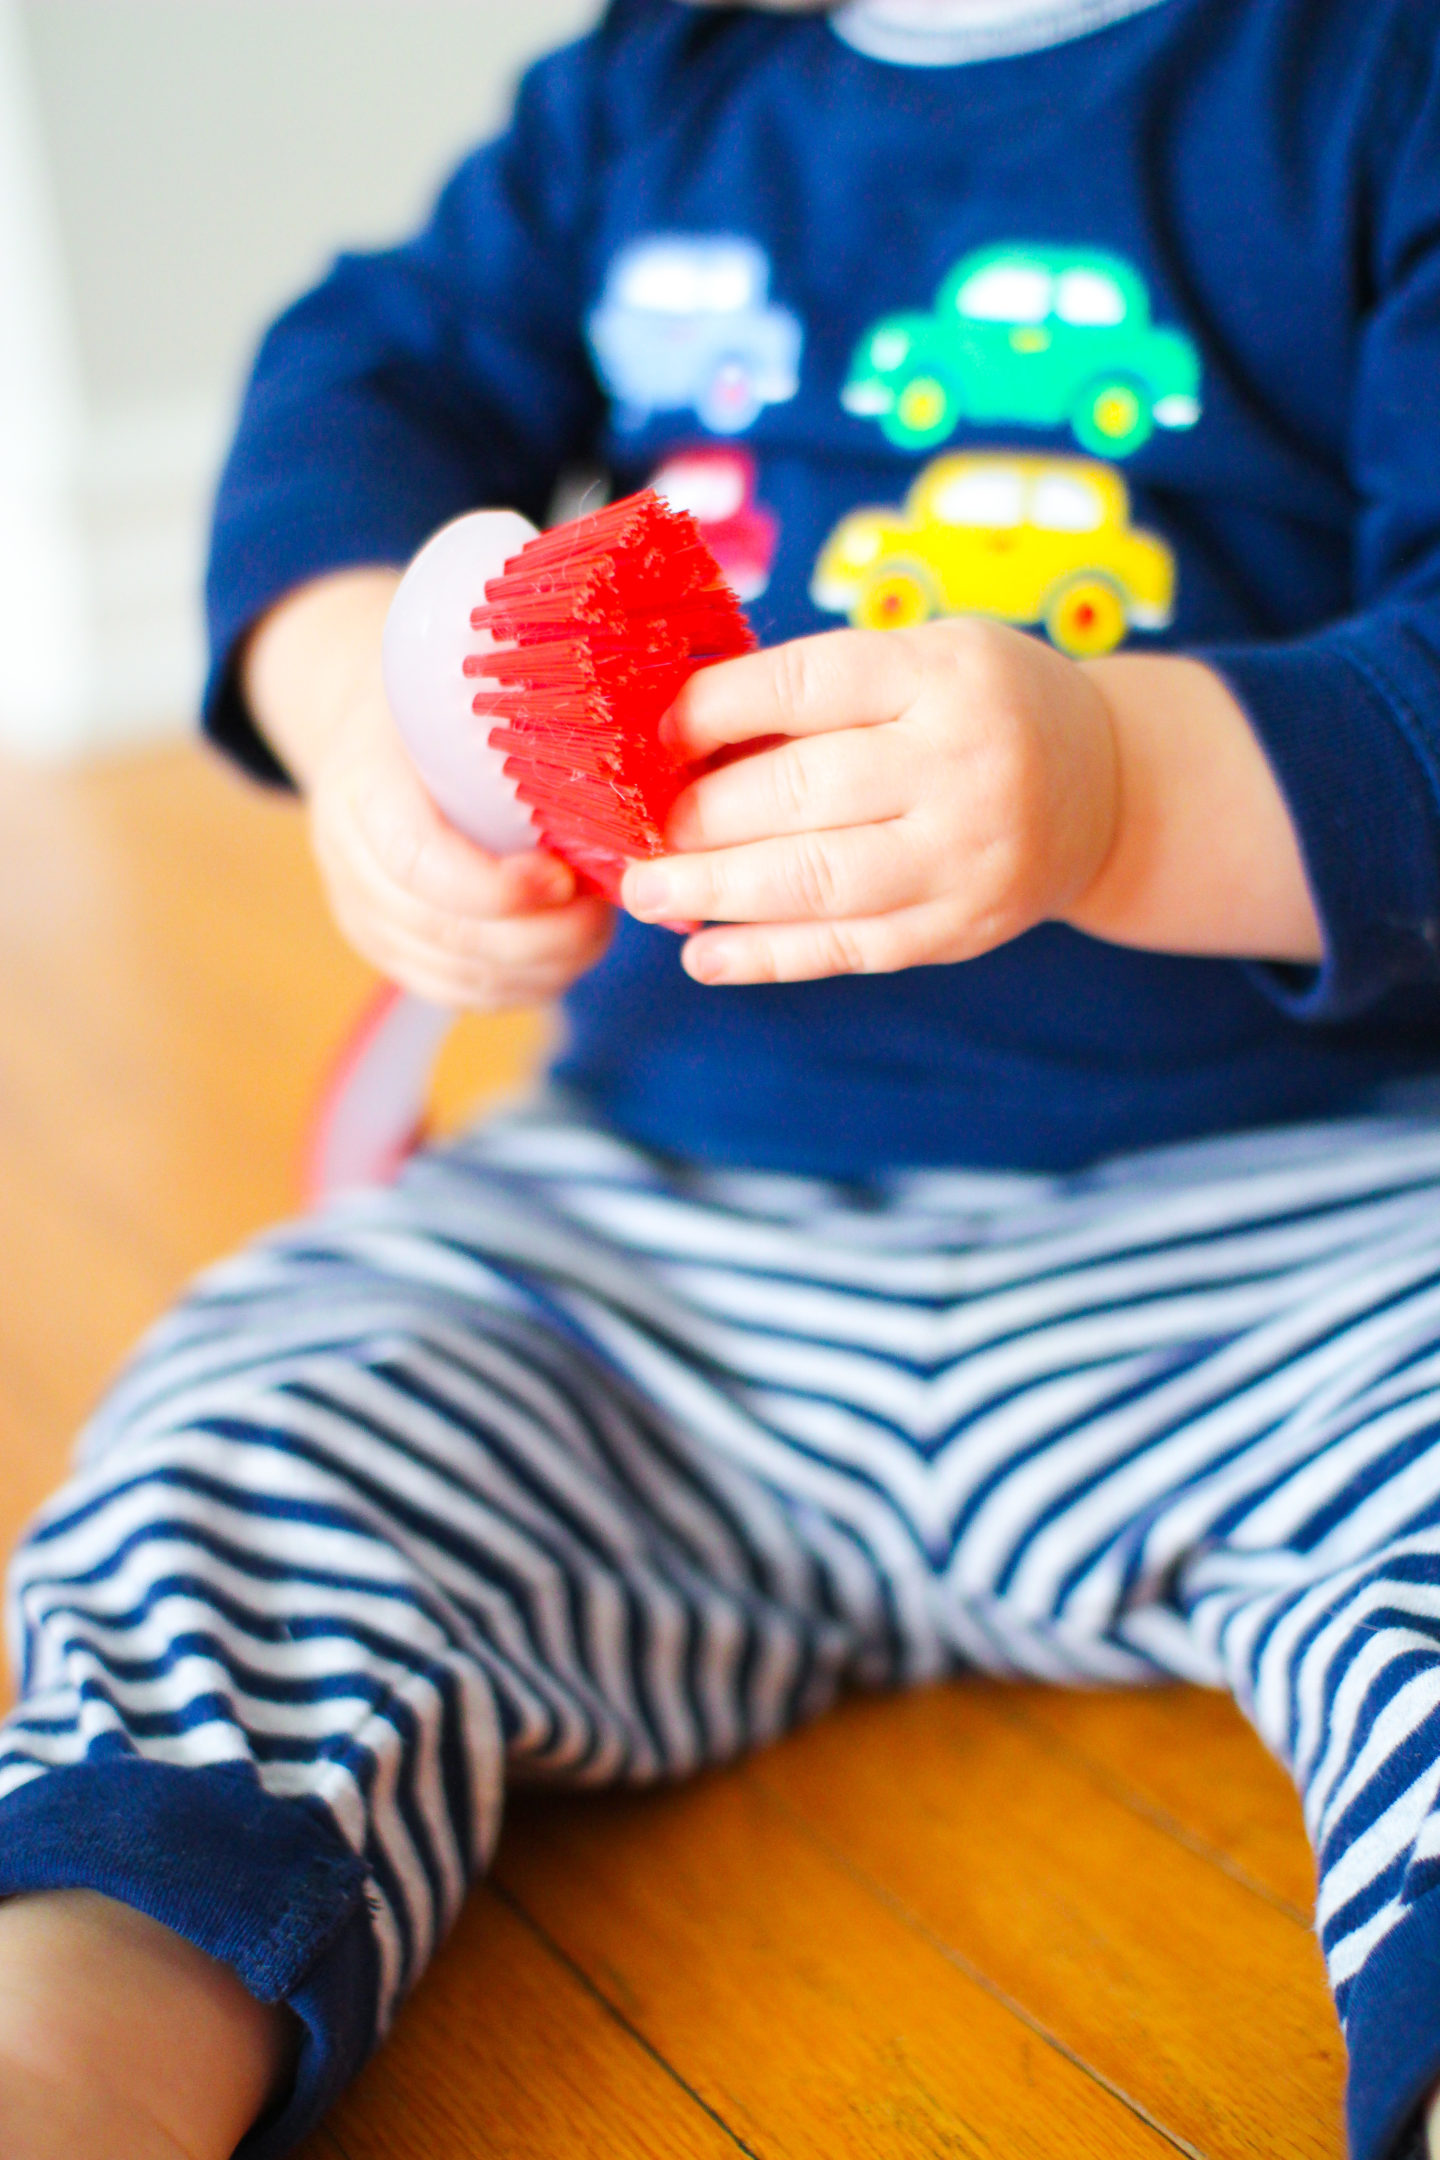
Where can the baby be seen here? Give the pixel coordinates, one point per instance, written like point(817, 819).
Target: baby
point(1005, 1235)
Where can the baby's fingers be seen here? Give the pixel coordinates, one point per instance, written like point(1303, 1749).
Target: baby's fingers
point(813, 686)
point(861, 870)
point(515, 890)
point(808, 784)
point(806, 951)
point(426, 861)
point(523, 960)
point(377, 816)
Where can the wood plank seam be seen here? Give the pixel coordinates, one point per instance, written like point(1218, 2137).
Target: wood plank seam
point(613, 2011)
point(323, 2144)
point(863, 1880)
point(1148, 1810)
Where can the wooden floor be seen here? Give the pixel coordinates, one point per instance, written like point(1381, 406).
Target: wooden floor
point(976, 1922)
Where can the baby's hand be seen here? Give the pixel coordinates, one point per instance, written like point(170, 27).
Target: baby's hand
point(426, 906)
point(430, 909)
point(940, 791)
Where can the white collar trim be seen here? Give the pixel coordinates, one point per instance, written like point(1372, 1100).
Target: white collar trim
point(948, 33)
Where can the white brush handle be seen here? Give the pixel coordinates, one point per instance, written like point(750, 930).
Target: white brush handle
point(428, 639)
point(373, 1108)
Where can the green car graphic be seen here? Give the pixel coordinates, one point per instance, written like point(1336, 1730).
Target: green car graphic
point(1043, 336)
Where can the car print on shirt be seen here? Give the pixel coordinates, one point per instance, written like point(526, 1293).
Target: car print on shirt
point(716, 484)
point(1042, 336)
point(1032, 540)
point(685, 323)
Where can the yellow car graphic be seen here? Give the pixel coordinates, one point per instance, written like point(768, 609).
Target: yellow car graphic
point(1031, 539)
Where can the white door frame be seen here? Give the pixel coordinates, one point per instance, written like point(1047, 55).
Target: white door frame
point(47, 664)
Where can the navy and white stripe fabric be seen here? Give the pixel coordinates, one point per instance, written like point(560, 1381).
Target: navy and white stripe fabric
point(561, 1461)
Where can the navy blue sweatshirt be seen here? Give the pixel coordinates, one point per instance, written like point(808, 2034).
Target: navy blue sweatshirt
point(1134, 339)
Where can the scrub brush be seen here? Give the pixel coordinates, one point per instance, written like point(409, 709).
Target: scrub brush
point(533, 717)
point(583, 640)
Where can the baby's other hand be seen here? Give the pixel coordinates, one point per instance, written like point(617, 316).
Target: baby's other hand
point(421, 902)
point(425, 905)
point(939, 791)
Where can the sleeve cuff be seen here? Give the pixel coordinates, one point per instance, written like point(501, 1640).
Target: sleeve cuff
point(347, 487)
point(1346, 751)
point(1392, 2029)
point(230, 726)
point(266, 1885)
point(275, 542)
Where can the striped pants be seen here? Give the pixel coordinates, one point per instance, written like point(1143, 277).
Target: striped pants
point(558, 1461)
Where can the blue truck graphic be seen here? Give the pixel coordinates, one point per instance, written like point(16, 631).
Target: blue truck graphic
point(686, 324)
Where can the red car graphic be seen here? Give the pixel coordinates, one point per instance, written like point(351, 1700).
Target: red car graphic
point(717, 486)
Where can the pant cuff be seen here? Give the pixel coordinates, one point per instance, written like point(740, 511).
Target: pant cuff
point(266, 1885)
point(1392, 2029)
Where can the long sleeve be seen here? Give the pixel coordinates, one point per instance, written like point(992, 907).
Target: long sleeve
point(1350, 717)
point(414, 384)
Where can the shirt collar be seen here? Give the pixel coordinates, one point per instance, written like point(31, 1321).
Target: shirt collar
point(948, 33)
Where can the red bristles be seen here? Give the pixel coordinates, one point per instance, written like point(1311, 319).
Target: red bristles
point(600, 624)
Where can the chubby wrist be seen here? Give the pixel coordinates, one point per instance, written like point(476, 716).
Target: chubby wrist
point(1088, 810)
point(1204, 858)
point(312, 663)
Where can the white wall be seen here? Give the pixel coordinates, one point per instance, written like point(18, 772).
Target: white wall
point(170, 171)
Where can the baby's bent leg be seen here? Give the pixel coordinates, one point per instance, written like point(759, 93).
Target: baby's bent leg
point(358, 1532)
point(1332, 1645)
point(119, 2040)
